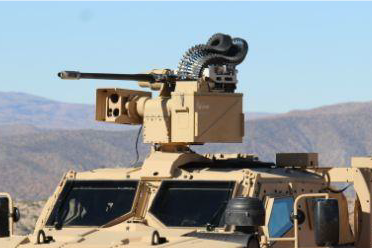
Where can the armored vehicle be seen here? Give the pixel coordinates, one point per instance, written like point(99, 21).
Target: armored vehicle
point(178, 198)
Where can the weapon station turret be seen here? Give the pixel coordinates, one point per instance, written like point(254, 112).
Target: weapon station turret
point(197, 103)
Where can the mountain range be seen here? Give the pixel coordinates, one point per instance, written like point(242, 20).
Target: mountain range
point(41, 139)
point(33, 111)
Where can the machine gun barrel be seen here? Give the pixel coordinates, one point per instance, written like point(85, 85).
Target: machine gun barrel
point(74, 75)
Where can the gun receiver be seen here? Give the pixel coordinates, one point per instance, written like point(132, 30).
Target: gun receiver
point(150, 77)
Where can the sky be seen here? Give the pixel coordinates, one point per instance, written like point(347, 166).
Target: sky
point(301, 54)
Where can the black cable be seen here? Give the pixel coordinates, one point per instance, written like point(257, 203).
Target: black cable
point(136, 147)
point(332, 190)
point(336, 191)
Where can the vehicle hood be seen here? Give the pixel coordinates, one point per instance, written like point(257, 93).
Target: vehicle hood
point(115, 237)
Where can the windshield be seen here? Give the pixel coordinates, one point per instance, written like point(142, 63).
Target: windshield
point(92, 203)
point(192, 203)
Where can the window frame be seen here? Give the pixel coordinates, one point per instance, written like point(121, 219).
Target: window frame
point(121, 218)
point(157, 195)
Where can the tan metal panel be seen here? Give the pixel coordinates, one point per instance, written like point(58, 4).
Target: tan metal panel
point(157, 121)
point(207, 117)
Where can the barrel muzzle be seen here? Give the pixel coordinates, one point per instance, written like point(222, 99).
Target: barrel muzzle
point(71, 75)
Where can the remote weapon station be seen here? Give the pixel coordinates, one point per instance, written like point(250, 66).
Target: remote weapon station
point(178, 198)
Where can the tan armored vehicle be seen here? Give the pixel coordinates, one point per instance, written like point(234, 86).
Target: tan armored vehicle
point(179, 198)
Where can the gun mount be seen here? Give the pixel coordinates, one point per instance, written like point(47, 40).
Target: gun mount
point(197, 103)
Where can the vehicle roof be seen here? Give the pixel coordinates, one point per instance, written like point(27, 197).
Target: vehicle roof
point(214, 171)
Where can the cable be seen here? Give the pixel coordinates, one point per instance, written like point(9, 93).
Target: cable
point(337, 191)
point(136, 147)
point(329, 188)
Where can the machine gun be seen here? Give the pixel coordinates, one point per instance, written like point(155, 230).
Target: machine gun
point(197, 103)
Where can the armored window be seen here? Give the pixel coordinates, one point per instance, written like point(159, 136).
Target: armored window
point(280, 222)
point(192, 203)
point(92, 203)
point(4, 217)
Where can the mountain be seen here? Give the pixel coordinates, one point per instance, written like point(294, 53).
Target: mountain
point(257, 115)
point(20, 108)
point(12, 129)
point(336, 132)
point(34, 157)
point(29, 111)
point(32, 163)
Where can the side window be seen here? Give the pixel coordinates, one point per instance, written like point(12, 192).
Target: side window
point(280, 222)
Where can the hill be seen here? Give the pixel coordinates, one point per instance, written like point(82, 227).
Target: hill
point(33, 159)
point(29, 112)
point(20, 108)
point(336, 132)
point(32, 163)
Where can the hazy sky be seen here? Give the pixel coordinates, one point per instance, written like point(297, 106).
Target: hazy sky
point(302, 54)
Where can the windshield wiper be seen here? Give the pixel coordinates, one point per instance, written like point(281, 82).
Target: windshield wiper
point(211, 225)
